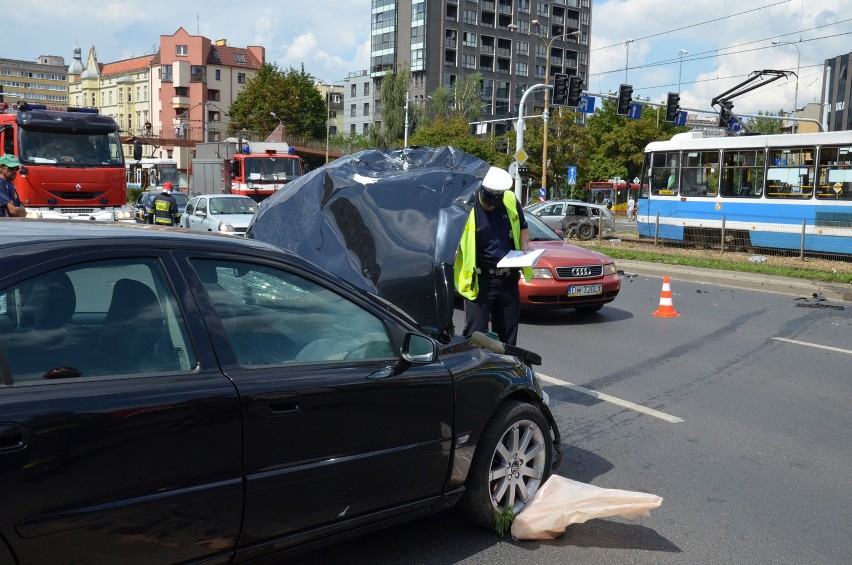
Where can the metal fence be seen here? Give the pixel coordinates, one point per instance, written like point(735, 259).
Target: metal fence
point(825, 238)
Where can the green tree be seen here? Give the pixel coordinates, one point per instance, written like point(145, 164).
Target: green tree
point(616, 144)
point(395, 85)
point(454, 131)
point(764, 125)
point(462, 100)
point(291, 95)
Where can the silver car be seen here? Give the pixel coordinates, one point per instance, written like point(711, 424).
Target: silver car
point(575, 218)
point(222, 213)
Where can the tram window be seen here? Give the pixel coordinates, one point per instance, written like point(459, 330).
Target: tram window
point(790, 173)
point(835, 173)
point(700, 173)
point(742, 173)
point(664, 173)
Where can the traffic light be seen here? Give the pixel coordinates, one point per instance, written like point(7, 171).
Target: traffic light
point(1, 93)
point(725, 107)
point(625, 97)
point(560, 89)
point(575, 91)
point(672, 106)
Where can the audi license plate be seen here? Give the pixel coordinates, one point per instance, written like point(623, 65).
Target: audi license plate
point(585, 289)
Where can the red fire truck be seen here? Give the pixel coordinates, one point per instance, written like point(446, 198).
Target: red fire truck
point(72, 166)
point(250, 168)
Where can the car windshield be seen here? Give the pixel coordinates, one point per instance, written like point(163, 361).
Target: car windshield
point(242, 205)
point(539, 231)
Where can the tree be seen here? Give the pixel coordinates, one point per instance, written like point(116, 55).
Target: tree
point(454, 131)
point(462, 100)
point(291, 95)
point(764, 125)
point(395, 86)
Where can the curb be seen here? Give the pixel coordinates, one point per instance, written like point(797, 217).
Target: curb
point(734, 279)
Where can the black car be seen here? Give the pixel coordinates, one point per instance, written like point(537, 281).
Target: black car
point(143, 207)
point(174, 397)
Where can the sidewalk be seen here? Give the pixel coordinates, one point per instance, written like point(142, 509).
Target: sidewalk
point(734, 279)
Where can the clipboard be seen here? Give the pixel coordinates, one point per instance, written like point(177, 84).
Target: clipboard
point(520, 259)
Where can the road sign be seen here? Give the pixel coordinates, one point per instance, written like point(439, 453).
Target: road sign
point(542, 193)
point(587, 104)
point(680, 118)
point(635, 111)
point(572, 176)
point(521, 156)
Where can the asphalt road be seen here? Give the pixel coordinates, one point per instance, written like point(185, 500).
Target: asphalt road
point(747, 441)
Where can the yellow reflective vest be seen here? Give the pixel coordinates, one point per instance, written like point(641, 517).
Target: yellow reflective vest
point(464, 270)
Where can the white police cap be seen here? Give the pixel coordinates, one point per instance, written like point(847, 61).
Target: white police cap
point(497, 180)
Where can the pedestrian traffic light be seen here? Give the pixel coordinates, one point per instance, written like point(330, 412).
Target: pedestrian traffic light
point(625, 97)
point(575, 91)
point(672, 106)
point(725, 107)
point(560, 89)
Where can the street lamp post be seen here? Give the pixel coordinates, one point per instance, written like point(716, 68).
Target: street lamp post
point(680, 53)
point(627, 57)
point(329, 89)
point(280, 124)
point(546, 113)
point(796, 92)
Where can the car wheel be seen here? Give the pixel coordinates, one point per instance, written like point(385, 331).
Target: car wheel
point(588, 309)
point(511, 463)
point(586, 232)
point(570, 231)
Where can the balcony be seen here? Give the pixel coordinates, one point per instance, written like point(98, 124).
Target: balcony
point(181, 102)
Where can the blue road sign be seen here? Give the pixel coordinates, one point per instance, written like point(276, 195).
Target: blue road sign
point(572, 176)
point(542, 193)
point(680, 118)
point(587, 104)
point(635, 111)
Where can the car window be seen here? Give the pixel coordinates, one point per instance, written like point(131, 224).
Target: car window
point(274, 317)
point(552, 210)
point(96, 319)
point(191, 205)
point(202, 205)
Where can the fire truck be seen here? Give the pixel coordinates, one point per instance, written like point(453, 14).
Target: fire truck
point(253, 169)
point(72, 166)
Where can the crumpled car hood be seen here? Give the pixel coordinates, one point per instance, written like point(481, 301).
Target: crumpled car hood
point(387, 221)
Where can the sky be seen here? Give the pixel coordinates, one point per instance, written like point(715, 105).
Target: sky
point(725, 40)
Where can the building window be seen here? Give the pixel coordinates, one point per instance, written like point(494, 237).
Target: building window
point(181, 91)
point(241, 78)
point(166, 73)
point(366, 108)
point(366, 128)
point(181, 50)
point(352, 130)
point(214, 95)
point(218, 74)
point(543, 10)
point(524, 6)
point(353, 111)
point(354, 90)
point(240, 58)
point(196, 73)
point(469, 39)
point(522, 47)
point(541, 51)
point(470, 17)
point(366, 89)
point(521, 69)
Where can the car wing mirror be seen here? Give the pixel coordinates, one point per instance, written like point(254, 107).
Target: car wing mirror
point(200, 213)
point(418, 349)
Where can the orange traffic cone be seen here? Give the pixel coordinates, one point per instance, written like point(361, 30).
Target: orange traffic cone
point(666, 309)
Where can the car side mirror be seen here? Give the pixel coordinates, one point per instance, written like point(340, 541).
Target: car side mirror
point(200, 213)
point(418, 349)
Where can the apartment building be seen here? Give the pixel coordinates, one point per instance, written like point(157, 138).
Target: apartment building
point(837, 93)
point(44, 81)
point(514, 44)
point(361, 101)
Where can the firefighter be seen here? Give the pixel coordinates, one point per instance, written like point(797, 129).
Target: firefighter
point(164, 208)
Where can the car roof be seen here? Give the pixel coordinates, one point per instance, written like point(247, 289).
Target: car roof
point(28, 231)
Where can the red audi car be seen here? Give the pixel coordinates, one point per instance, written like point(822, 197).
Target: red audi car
point(567, 276)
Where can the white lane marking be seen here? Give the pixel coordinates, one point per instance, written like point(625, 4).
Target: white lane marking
point(817, 345)
point(612, 399)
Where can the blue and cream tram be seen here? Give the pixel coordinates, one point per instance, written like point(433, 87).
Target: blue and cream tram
point(765, 191)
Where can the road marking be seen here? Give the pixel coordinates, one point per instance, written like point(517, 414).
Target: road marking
point(817, 345)
point(612, 399)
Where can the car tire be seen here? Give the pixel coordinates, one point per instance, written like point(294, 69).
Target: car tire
point(516, 438)
point(570, 231)
point(586, 232)
point(588, 309)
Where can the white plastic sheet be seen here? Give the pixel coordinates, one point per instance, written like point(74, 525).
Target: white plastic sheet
point(561, 502)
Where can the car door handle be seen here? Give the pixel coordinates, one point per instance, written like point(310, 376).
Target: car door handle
point(12, 437)
point(278, 404)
